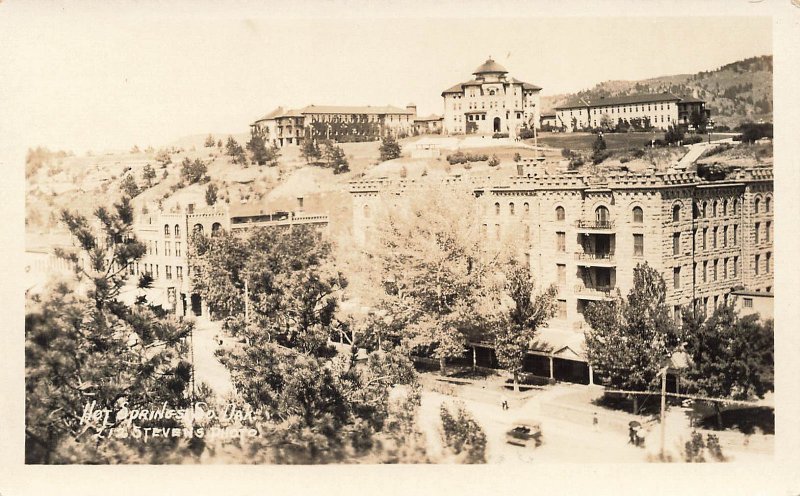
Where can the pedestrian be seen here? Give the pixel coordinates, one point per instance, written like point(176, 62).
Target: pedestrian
point(631, 435)
point(504, 402)
point(595, 422)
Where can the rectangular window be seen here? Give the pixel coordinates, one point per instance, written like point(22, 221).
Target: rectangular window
point(638, 245)
point(561, 242)
point(735, 267)
point(705, 271)
point(497, 232)
point(179, 272)
point(167, 248)
point(725, 237)
point(155, 246)
point(758, 262)
point(714, 274)
point(676, 277)
point(714, 238)
point(758, 232)
point(748, 302)
point(724, 269)
point(562, 274)
point(168, 271)
point(676, 244)
point(705, 237)
point(769, 259)
point(766, 231)
point(735, 235)
point(156, 271)
point(562, 309)
point(177, 249)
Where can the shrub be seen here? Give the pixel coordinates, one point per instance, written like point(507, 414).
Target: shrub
point(576, 162)
point(712, 172)
point(462, 434)
point(637, 152)
point(500, 135)
point(494, 162)
point(600, 156)
point(624, 160)
point(517, 157)
point(526, 133)
point(752, 131)
point(691, 139)
point(566, 153)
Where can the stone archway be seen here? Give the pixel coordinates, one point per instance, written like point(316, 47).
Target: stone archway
point(497, 126)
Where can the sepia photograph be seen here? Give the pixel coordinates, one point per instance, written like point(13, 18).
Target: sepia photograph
point(503, 240)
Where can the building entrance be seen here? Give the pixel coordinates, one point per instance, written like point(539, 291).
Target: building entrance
point(497, 124)
point(197, 307)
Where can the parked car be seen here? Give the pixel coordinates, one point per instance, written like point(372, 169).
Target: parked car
point(525, 433)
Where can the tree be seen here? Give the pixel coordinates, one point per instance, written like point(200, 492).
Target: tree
point(732, 357)
point(210, 142)
point(128, 186)
point(193, 171)
point(390, 148)
point(432, 272)
point(462, 435)
point(310, 150)
point(93, 349)
point(599, 152)
point(211, 194)
point(216, 275)
point(606, 122)
point(234, 149)
point(698, 120)
point(163, 157)
point(335, 158)
point(148, 174)
point(517, 157)
point(629, 340)
point(494, 161)
point(673, 135)
point(515, 330)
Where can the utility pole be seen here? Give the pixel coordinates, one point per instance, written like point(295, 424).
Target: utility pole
point(661, 419)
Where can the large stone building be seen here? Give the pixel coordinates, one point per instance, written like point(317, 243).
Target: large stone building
point(166, 235)
point(659, 110)
point(490, 102)
point(283, 127)
point(587, 234)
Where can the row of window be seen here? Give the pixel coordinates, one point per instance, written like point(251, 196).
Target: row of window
point(728, 268)
point(721, 207)
point(152, 248)
point(152, 269)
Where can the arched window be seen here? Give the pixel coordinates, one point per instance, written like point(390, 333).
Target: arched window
point(767, 204)
point(511, 208)
point(166, 229)
point(366, 211)
point(601, 214)
point(676, 213)
point(527, 207)
point(559, 213)
point(177, 230)
point(757, 205)
point(198, 229)
point(215, 228)
point(695, 210)
point(724, 208)
point(705, 209)
point(491, 92)
point(497, 209)
point(735, 206)
point(714, 209)
point(638, 215)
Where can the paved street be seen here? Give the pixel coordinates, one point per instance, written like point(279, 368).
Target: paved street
point(207, 368)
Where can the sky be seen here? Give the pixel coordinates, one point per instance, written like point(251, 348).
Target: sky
point(83, 78)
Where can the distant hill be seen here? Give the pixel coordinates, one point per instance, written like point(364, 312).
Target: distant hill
point(736, 92)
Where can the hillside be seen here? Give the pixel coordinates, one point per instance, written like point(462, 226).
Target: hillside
point(736, 92)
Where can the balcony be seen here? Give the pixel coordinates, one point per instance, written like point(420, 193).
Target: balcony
point(598, 226)
point(593, 292)
point(595, 259)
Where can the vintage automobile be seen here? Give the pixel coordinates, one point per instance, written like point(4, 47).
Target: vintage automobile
point(525, 433)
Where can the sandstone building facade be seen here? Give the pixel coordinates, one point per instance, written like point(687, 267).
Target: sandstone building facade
point(490, 102)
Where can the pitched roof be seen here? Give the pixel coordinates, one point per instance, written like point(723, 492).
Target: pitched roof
point(432, 117)
point(275, 113)
point(525, 86)
point(620, 100)
point(368, 109)
point(691, 99)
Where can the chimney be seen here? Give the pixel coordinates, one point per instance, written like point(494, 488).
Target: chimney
point(299, 203)
point(190, 208)
point(412, 108)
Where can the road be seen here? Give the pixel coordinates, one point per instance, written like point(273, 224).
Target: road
point(207, 368)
